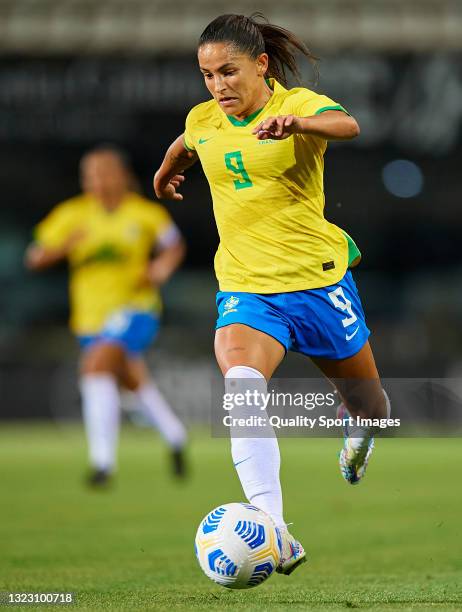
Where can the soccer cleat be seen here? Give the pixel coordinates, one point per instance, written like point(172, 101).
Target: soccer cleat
point(99, 479)
point(353, 461)
point(178, 463)
point(292, 552)
point(356, 452)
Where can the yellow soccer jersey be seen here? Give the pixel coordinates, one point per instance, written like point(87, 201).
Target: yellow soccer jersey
point(109, 259)
point(268, 197)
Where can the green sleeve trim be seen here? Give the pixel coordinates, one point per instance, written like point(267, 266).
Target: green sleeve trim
point(188, 148)
point(338, 107)
point(354, 254)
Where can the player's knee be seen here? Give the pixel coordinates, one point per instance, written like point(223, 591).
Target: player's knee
point(236, 356)
point(103, 358)
point(231, 355)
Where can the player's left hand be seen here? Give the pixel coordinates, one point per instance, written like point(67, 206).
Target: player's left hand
point(168, 191)
point(277, 128)
point(154, 275)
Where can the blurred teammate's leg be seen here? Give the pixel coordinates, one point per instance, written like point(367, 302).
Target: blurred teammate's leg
point(115, 357)
point(101, 365)
point(157, 411)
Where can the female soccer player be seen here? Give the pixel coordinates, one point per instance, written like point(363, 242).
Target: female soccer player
point(282, 268)
point(108, 235)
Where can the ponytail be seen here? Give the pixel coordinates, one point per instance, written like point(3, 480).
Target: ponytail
point(255, 37)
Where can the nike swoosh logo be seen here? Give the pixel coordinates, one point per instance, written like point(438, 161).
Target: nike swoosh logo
point(202, 140)
point(349, 337)
point(242, 461)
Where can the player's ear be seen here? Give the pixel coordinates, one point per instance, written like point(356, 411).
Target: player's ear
point(262, 64)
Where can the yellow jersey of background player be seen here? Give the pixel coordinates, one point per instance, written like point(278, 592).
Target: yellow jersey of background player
point(107, 235)
point(108, 251)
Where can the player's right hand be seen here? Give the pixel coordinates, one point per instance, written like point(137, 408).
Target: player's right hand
point(168, 191)
point(38, 257)
point(34, 256)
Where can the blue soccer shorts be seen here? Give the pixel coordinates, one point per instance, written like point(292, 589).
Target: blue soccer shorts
point(327, 323)
point(132, 329)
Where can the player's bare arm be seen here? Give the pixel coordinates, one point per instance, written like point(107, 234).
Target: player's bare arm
point(330, 125)
point(38, 257)
point(168, 177)
point(165, 263)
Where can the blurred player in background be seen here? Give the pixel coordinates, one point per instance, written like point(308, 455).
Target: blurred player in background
point(121, 248)
point(282, 267)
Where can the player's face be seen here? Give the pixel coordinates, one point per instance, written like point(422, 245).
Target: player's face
point(234, 79)
point(104, 176)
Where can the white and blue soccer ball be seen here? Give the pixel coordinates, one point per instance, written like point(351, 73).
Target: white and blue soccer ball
point(238, 546)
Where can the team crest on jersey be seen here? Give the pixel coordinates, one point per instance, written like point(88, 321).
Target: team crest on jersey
point(230, 305)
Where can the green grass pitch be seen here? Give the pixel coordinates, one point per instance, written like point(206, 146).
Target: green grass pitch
point(392, 543)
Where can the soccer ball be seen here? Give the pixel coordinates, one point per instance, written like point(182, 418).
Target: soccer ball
point(238, 546)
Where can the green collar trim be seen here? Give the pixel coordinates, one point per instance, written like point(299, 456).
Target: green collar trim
point(245, 121)
point(272, 84)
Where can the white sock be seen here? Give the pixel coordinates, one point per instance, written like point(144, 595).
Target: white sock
point(159, 414)
point(257, 460)
point(360, 434)
point(100, 407)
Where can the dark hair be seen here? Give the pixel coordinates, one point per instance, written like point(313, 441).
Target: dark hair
point(112, 149)
point(122, 156)
point(254, 37)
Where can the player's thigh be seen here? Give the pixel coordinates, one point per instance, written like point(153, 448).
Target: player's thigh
point(103, 356)
point(111, 358)
point(360, 365)
point(357, 381)
point(241, 345)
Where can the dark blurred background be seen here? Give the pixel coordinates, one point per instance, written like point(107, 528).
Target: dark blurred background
point(74, 73)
